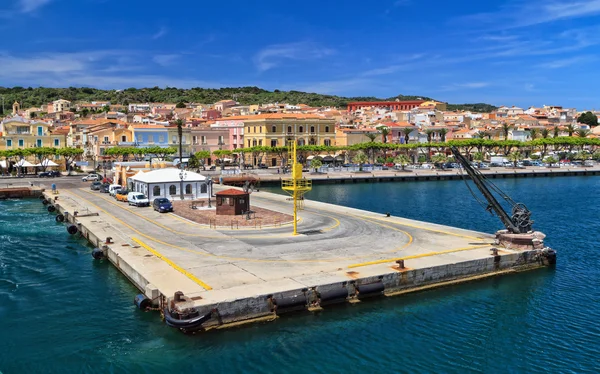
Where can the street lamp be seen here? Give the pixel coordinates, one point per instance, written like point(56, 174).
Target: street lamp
point(209, 183)
point(182, 176)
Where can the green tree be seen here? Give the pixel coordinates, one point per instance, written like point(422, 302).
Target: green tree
point(596, 155)
point(588, 118)
point(316, 164)
point(360, 158)
point(545, 133)
point(439, 160)
point(583, 133)
point(506, 129)
point(69, 154)
point(384, 133)
point(570, 129)
point(533, 133)
point(429, 133)
point(180, 105)
point(515, 157)
point(41, 153)
point(401, 160)
point(550, 160)
point(406, 131)
point(478, 156)
point(199, 160)
point(106, 108)
point(443, 133)
point(556, 132)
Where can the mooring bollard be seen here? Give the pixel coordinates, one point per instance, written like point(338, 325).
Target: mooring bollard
point(400, 264)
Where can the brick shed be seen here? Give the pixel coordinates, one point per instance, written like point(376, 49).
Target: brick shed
point(232, 202)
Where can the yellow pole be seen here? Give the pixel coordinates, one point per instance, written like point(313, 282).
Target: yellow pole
point(295, 213)
point(295, 165)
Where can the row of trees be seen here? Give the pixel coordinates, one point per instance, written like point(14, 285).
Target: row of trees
point(12, 156)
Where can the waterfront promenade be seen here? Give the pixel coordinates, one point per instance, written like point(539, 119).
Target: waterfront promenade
point(235, 271)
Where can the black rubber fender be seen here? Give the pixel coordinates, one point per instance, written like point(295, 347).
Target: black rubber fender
point(45, 202)
point(51, 208)
point(295, 301)
point(59, 218)
point(370, 289)
point(41, 197)
point(142, 302)
point(334, 295)
point(97, 254)
point(72, 229)
point(194, 321)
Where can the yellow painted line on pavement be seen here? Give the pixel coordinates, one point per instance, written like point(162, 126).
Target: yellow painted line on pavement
point(233, 258)
point(173, 265)
point(429, 254)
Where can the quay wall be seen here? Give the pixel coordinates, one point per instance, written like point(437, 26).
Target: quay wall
point(19, 192)
point(409, 176)
point(260, 306)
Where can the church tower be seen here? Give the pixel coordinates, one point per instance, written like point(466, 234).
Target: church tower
point(16, 108)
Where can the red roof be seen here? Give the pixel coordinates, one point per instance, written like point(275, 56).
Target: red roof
point(231, 191)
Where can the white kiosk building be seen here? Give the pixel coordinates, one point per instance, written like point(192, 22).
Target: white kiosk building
point(167, 182)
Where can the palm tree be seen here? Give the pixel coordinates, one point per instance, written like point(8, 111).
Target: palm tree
point(384, 133)
point(481, 134)
point(429, 133)
point(360, 158)
point(556, 131)
point(533, 133)
point(545, 133)
point(403, 160)
point(583, 133)
point(407, 131)
point(443, 133)
point(372, 138)
point(570, 129)
point(439, 159)
point(505, 129)
point(515, 157)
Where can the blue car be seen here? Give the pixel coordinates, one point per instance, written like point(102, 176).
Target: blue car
point(162, 205)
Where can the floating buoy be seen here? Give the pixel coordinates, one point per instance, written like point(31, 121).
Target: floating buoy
point(142, 302)
point(72, 229)
point(51, 208)
point(98, 254)
point(45, 202)
point(59, 218)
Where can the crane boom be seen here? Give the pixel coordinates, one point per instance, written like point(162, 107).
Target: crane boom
point(508, 222)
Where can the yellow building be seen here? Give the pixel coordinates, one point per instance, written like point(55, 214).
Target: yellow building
point(348, 137)
point(433, 105)
point(18, 132)
point(275, 129)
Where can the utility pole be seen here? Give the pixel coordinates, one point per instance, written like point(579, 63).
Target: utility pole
point(181, 175)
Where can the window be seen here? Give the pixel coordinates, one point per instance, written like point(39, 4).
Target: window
point(219, 201)
point(203, 139)
point(249, 144)
point(188, 189)
point(40, 131)
point(254, 129)
point(289, 129)
point(161, 138)
point(57, 142)
point(38, 142)
point(150, 138)
point(301, 129)
point(327, 142)
point(312, 129)
point(106, 141)
point(156, 191)
point(174, 139)
point(172, 190)
point(203, 188)
point(274, 129)
point(221, 140)
point(9, 142)
point(183, 140)
point(231, 201)
point(123, 138)
point(273, 142)
point(260, 142)
point(139, 138)
point(326, 128)
point(194, 139)
point(253, 143)
point(21, 143)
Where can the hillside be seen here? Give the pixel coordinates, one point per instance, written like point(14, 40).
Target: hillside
point(35, 97)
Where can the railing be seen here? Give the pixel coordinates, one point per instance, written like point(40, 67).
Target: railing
point(301, 184)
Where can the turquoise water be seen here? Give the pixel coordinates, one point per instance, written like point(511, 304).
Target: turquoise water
point(62, 312)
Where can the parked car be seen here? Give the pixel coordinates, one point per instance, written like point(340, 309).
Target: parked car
point(536, 163)
point(162, 205)
point(122, 194)
point(95, 186)
point(527, 163)
point(262, 166)
point(49, 174)
point(113, 188)
point(104, 187)
point(91, 177)
point(137, 199)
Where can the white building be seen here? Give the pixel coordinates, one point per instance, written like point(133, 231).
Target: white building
point(167, 182)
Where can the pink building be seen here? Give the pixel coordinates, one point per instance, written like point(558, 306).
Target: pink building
point(236, 131)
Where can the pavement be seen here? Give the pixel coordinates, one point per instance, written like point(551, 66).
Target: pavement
point(334, 243)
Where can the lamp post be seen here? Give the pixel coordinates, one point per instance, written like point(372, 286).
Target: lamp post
point(182, 176)
point(209, 183)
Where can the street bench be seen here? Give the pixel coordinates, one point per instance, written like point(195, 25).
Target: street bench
point(195, 204)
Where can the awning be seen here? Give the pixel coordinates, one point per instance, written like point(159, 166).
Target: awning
point(47, 163)
point(3, 164)
point(328, 158)
point(24, 164)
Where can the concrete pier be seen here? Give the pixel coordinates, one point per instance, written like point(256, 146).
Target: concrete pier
point(241, 275)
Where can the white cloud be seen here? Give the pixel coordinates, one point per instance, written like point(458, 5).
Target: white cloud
point(161, 32)
point(165, 60)
point(27, 6)
point(561, 63)
point(522, 13)
point(273, 55)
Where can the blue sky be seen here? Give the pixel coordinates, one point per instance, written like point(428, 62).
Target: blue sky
point(501, 52)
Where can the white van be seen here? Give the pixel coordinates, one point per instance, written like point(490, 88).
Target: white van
point(113, 188)
point(137, 199)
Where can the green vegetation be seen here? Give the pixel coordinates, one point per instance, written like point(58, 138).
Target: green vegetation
point(316, 163)
point(588, 118)
point(36, 97)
